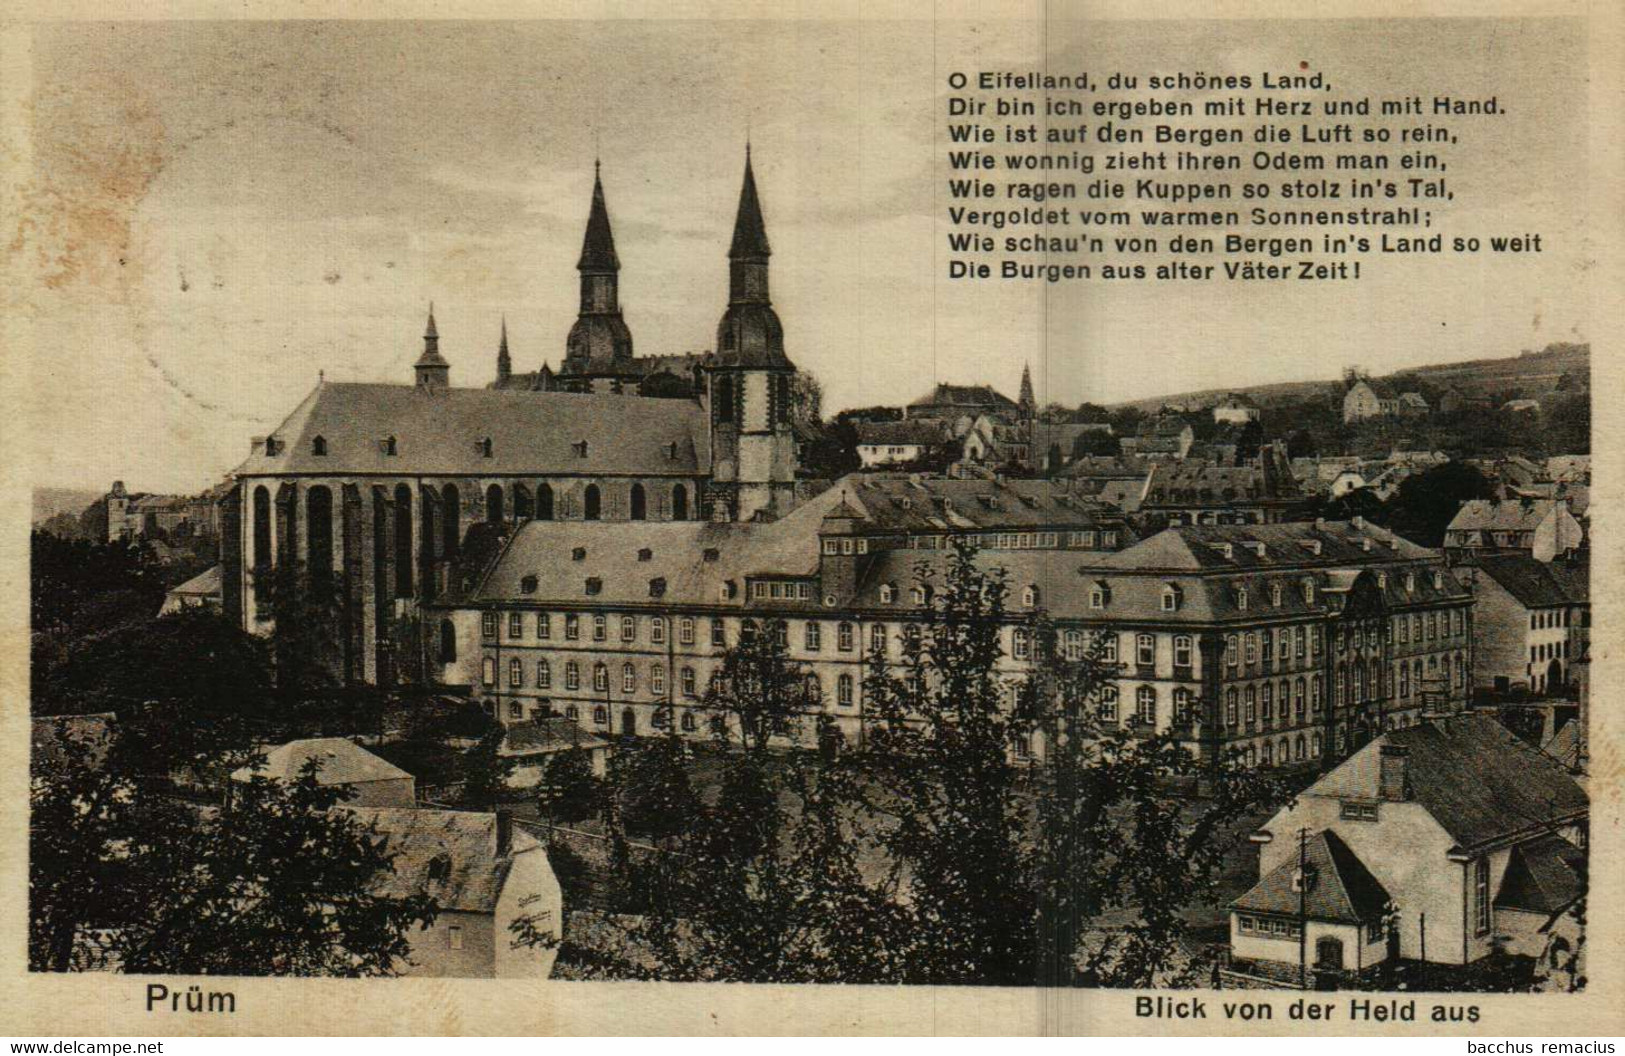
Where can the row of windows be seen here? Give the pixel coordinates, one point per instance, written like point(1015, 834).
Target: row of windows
point(541, 677)
point(1548, 651)
point(1293, 705)
point(599, 628)
point(1540, 621)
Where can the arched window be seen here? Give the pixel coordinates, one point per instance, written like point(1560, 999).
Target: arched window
point(1030, 596)
point(1299, 705)
point(494, 513)
point(403, 541)
point(516, 673)
point(451, 520)
point(629, 678)
point(592, 503)
point(640, 503)
point(448, 642)
point(544, 502)
point(725, 397)
point(1108, 703)
point(679, 503)
point(1298, 748)
point(262, 529)
point(600, 715)
point(572, 712)
point(521, 503)
point(600, 677)
point(657, 680)
point(318, 446)
point(544, 675)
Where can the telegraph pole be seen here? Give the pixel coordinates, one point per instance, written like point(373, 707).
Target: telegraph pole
point(1303, 908)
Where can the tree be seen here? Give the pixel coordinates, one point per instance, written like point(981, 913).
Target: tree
point(278, 883)
point(569, 790)
point(1248, 441)
point(486, 770)
point(186, 686)
point(1096, 443)
point(762, 690)
point(655, 797)
point(1425, 503)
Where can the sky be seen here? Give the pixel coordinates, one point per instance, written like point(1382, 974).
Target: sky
point(222, 212)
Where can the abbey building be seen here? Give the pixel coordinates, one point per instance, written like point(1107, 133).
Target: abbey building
point(375, 490)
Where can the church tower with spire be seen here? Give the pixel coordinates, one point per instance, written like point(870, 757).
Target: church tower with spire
point(749, 379)
point(598, 352)
point(431, 370)
point(504, 361)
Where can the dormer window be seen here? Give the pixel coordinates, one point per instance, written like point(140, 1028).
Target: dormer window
point(272, 445)
point(657, 587)
point(578, 554)
point(1172, 597)
point(888, 593)
point(579, 448)
point(483, 446)
point(1410, 582)
point(1030, 596)
point(318, 447)
point(440, 867)
point(1275, 594)
point(1308, 592)
point(671, 451)
point(646, 554)
point(1241, 598)
point(387, 446)
point(1438, 580)
point(1225, 550)
point(922, 595)
point(1382, 580)
point(527, 585)
point(1100, 595)
point(594, 585)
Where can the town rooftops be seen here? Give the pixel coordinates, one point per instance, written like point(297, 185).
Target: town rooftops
point(444, 432)
point(342, 763)
point(1506, 515)
point(449, 855)
point(923, 504)
point(1294, 544)
point(1481, 784)
point(1540, 584)
point(1341, 889)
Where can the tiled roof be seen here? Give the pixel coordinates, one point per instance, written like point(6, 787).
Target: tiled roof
point(973, 395)
point(541, 736)
point(1538, 584)
point(92, 733)
point(342, 763)
point(530, 433)
point(924, 432)
point(1564, 745)
point(924, 504)
point(1478, 781)
point(205, 583)
point(1512, 515)
point(470, 876)
point(1542, 876)
point(1341, 888)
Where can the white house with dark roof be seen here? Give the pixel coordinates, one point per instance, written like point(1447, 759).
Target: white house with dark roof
point(1475, 837)
point(484, 875)
point(1542, 528)
point(376, 782)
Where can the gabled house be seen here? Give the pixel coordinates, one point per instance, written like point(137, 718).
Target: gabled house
point(1437, 842)
point(1541, 528)
point(485, 875)
point(376, 782)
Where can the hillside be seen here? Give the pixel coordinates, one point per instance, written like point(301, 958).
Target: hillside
point(1532, 372)
point(48, 502)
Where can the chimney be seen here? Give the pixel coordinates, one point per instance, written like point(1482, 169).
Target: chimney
point(1393, 781)
point(504, 833)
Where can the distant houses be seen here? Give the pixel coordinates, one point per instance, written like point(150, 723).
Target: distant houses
point(375, 782)
point(1540, 528)
point(1364, 401)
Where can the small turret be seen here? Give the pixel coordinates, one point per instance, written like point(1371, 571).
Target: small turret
point(432, 371)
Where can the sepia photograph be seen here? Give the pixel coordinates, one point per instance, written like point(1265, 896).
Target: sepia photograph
point(759, 501)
